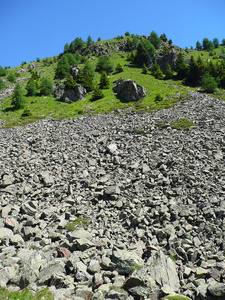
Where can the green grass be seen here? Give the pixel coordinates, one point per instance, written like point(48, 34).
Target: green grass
point(171, 92)
point(5, 294)
point(182, 124)
point(175, 297)
point(79, 222)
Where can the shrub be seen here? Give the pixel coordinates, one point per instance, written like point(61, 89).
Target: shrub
point(119, 68)
point(2, 85)
point(17, 98)
point(104, 64)
point(11, 77)
point(26, 112)
point(97, 94)
point(209, 84)
point(158, 98)
point(31, 88)
point(144, 69)
point(104, 81)
point(46, 87)
point(182, 124)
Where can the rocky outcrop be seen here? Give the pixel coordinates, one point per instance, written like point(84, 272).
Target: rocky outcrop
point(69, 95)
point(72, 95)
point(115, 206)
point(129, 90)
point(74, 70)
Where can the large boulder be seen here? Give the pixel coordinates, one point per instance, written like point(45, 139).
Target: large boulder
point(69, 95)
point(129, 90)
point(72, 95)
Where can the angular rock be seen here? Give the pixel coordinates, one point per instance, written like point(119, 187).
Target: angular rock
point(129, 90)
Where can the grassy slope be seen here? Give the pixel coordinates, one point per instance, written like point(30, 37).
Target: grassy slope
point(41, 107)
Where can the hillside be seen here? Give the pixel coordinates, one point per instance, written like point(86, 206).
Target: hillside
point(111, 198)
point(119, 50)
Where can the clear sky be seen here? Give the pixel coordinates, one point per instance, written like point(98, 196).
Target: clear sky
point(40, 28)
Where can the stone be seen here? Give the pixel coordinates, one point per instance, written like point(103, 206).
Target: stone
point(129, 90)
point(73, 95)
point(217, 289)
point(126, 261)
point(163, 270)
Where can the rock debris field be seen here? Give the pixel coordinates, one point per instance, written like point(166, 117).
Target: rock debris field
point(115, 206)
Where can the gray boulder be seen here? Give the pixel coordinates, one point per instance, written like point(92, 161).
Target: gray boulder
point(163, 270)
point(129, 90)
point(73, 95)
point(74, 70)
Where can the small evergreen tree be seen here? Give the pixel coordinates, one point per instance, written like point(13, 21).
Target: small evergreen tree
point(89, 40)
point(181, 66)
point(70, 83)
point(46, 87)
point(89, 69)
point(104, 81)
point(155, 40)
point(17, 98)
point(156, 71)
point(2, 71)
point(142, 56)
point(163, 37)
point(63, 68)
point(11, 77)
point(2, 85)
point(223, 42)
point(104, 64)
point(209, 84)
point(192, 74)
point(168, 72)
point(127, 33)
point(144, 69)
point(216, 42)
point(119, 68)
point(97, 94)
point(66, 48)
point(31, 88)
point(198, 45)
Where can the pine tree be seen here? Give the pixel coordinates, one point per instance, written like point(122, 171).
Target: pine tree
point(119, 68)
point(198, 45)
point(168, 72)
point(144, 69)
point(17, 98)
point(31, 88)
point(192, 74)
point(63, 68)
point(208, 84)
point(104, 81)
point(155, 40)
point(2, 85)
point(104, 64)
point(70, 83)
point(46, 88)
point(97, 94)
point(181, 66)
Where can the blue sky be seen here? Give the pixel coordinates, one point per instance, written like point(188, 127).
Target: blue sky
point(40, 28)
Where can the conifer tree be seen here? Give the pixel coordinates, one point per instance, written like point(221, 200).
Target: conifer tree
point(104, 81)
point(63, 68)
point(168, 72)
point(155, 40)
point(46, 87)
point(31, 88)
point(97, 94)
point(181, 66)
point(119, 68)
point(144, 69)
point(17, 98)
point(208, 84)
